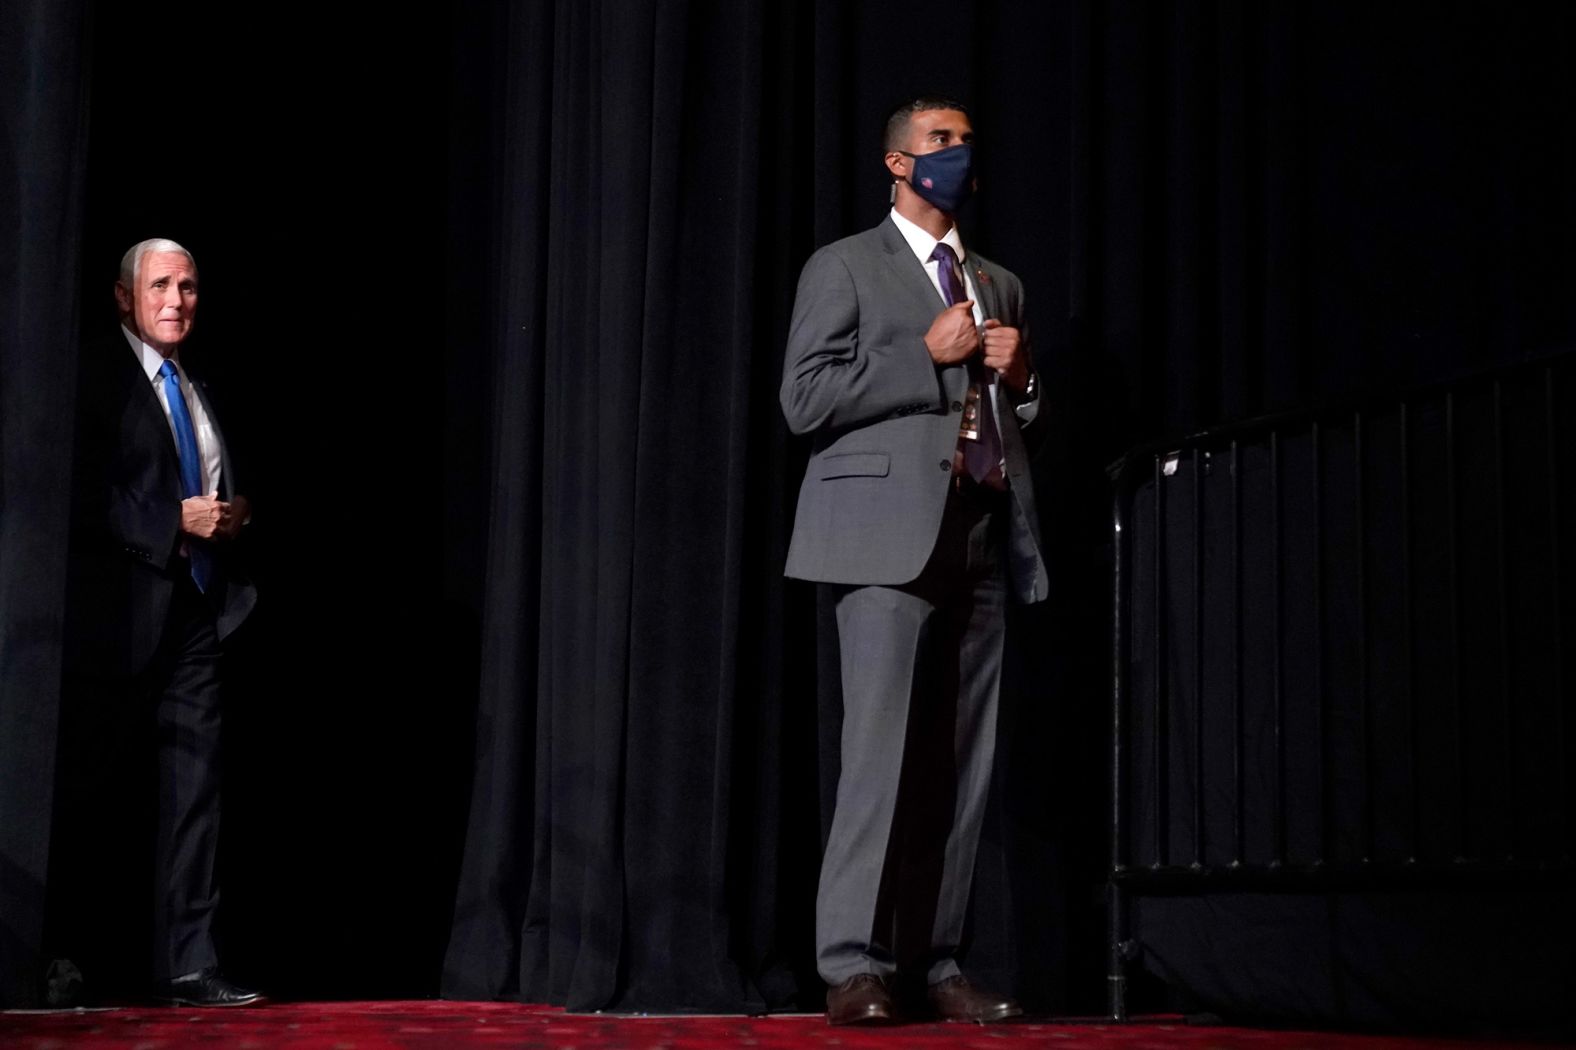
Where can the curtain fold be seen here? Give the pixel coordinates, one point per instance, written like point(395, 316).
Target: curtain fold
point(42, 162)
point(1216, 213)
point(1217, 210)
point(635, 380)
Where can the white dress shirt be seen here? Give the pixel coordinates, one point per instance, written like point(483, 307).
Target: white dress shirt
point(207, 438)
point(924, 245)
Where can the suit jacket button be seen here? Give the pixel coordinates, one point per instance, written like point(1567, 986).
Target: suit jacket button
point(957, 406)
point(945, 465)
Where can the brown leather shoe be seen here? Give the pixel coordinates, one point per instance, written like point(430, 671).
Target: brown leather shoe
point(862, 999)
point(955, 999)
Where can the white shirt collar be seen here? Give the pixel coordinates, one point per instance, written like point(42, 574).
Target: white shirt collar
point(923, 243)
point(150, 359)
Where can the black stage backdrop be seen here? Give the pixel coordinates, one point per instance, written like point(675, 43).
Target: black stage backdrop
point(41, 164)
point(500, 292)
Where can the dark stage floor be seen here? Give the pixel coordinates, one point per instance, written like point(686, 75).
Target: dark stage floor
point(434, 1024)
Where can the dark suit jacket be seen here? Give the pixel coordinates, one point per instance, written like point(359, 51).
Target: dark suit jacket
point(857, 376)
point(125, 521)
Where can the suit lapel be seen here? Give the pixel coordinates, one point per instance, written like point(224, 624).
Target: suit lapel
point(910, 272)
point(912, 276)
point(141, 405)
point(990, 307)
point(984, 286)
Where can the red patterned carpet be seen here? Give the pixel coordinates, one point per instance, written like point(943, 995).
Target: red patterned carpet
point(439, 1024)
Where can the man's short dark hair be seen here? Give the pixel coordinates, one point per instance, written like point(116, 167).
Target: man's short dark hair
point(897, 121)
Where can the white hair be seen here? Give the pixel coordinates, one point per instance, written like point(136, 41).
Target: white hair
point(131, 262)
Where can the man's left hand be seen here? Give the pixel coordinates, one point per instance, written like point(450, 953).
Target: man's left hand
point(233, 516)
point(1004, 352)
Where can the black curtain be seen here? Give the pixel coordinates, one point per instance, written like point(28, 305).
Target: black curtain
point(1219, 210)
point(42, 139)
point(307, 172)
point(502, 290)
point(640, 709)
point(645, 822)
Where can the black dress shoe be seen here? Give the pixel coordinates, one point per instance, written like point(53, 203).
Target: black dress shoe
point(206, 988)
point(862, 999)
point(955, 999)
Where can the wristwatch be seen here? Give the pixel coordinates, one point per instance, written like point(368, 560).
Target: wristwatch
point(1031, 390)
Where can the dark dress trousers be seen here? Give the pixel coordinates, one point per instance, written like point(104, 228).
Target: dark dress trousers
point(921, 565)
point(141, 694)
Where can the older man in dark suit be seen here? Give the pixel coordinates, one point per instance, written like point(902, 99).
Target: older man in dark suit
point(908, 363)
point(155, 588)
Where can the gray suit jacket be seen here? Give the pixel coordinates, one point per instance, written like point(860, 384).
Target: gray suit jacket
point(857, 376)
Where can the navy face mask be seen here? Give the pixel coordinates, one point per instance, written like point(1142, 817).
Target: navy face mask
point(945, 178)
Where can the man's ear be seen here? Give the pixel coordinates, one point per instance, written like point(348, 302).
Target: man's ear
point(897, 163)
point(122, 298)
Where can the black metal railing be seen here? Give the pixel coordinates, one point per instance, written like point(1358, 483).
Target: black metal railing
point(1339, 648)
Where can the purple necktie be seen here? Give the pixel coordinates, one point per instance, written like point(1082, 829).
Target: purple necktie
point(982, 455)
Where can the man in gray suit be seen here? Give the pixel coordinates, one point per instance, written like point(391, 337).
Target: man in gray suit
point(908, 364)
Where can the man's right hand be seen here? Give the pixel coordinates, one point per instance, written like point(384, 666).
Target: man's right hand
point(203, 516)
point(952, 336)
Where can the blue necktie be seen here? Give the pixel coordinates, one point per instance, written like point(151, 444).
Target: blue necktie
point(981, 455)
point(191, 466)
